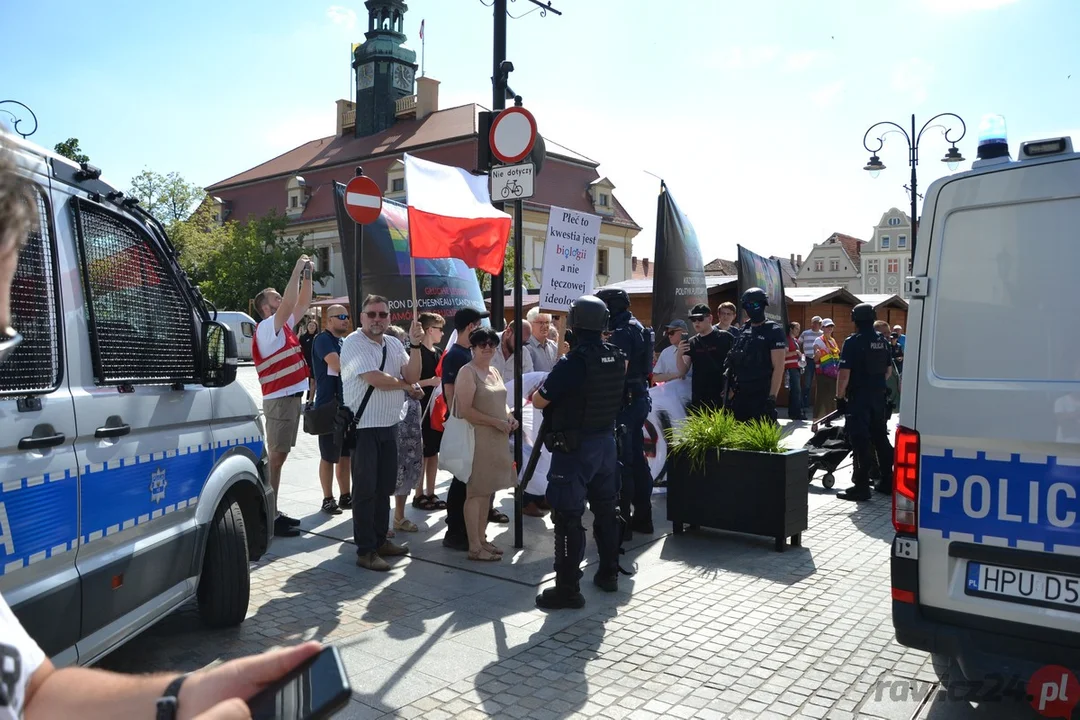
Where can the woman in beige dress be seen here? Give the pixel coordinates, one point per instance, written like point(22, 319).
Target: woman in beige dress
point(480, 400)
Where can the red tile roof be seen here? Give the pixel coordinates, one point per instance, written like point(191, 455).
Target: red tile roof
point(852, 246)
point(447, 136)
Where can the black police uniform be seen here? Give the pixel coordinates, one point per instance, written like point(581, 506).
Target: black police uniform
point(750, 365)
point(867, 356)
point(636, 343)
point(585, 391)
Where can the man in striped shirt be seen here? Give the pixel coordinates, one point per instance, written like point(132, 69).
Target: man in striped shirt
point(376, 372)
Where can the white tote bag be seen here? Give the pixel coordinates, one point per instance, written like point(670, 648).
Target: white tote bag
point(458, 444)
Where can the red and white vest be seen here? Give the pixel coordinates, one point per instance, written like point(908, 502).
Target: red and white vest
point(282, 369)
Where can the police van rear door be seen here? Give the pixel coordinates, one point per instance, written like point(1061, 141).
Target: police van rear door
point(997, 404)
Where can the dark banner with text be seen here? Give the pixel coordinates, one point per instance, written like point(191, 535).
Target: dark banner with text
point(765, 273)
point(679, 273)
point(442, 286)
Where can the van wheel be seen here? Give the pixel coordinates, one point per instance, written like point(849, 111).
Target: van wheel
point(225, 583)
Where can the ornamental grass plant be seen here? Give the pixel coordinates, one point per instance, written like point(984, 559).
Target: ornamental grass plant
point(706, 430)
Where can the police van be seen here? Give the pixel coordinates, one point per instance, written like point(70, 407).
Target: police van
point(133, 476)
point(986, 556)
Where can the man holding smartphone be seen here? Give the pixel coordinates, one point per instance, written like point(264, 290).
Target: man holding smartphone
point(706, 354)
point(283, 372)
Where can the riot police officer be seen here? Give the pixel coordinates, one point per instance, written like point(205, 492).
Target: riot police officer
point(755, 364)
point(581, 398)
point(865, 366)
point(636, 342)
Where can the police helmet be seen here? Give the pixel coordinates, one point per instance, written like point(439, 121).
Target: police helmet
point(589, 312)
point(863, 314)
point(616, 299)
point(755, 296)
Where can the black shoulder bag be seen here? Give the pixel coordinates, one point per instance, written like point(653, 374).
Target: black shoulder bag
point(335, 414)
point(345, 422)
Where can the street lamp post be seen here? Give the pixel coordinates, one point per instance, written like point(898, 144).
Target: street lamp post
point(952, 158)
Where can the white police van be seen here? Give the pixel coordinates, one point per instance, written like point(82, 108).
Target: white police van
point(986, 557)
point(132, 471)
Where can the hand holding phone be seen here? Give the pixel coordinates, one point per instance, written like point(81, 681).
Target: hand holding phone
point(313, 691)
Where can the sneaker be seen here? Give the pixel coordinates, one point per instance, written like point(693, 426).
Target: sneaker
point(330, 507)
point(291, 522)
point(453, 542)
point(389, 549)
point(559, 599)
point(372, 561)
point(607, 583)
point(345, 501)
point(283, 529)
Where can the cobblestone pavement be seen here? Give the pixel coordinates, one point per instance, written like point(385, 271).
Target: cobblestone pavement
point(713, 625)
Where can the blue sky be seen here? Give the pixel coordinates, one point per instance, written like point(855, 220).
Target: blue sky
point(753, 113)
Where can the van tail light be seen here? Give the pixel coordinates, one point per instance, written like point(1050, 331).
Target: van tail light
point(905, 480)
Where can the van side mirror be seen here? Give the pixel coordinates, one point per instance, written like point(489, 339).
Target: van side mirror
point(219, 356)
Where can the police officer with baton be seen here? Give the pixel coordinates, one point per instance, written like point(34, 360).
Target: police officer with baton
point(865, 367)
point(756, 362)
point(581, 398)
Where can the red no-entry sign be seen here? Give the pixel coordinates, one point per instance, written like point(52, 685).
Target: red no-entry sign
point(513, 134)
point(363, 200)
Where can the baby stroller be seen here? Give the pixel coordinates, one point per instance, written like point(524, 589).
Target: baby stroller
point(827, 448)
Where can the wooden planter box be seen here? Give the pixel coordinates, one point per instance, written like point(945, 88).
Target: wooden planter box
point(741, 491)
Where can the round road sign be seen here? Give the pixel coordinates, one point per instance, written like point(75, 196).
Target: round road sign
point(513, 134)
point(363, 200)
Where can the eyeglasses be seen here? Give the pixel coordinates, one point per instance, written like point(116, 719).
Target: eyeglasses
point(372, 315)
point(487, 345)
point(9, 340)
point(340, 317)
point(676, 331)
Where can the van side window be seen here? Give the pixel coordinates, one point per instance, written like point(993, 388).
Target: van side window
point(248, 329)
point(142, 331)
point(34, 366)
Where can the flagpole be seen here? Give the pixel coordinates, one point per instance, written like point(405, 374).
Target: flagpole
point(412, 273)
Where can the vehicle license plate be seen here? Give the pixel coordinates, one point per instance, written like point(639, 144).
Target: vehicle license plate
point(1032, 587)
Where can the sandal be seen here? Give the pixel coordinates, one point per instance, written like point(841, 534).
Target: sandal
point(421, 502)
point(494, 516)
point(484, 556)
point(493, 549)
point(436, 503)
point(405, 525)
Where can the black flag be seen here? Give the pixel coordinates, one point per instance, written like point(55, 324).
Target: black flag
point(758, 271)
point(442, 286)
point(679, 273)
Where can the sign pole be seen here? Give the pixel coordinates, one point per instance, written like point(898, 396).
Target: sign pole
point(519, 229)
point(363, 203)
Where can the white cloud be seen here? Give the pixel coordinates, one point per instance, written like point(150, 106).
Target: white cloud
point(342, 16)
point(911, 78)
point(827, 95)
point(961, 6)
point(799, 61)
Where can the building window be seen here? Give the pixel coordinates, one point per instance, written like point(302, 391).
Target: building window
point(873, 266)
point(603, 200)
point(819, 266)
point(294, 201)
point(398, 185)
point(884, 241)
point(602, 260)
point(893, 266)
point(894, 221)
point(901, 241)
point(323, 256)
point(834, 265)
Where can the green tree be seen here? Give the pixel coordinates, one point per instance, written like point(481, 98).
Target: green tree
point(71, 150)
point(233, 262)
point(170, 198)
point(508, 272)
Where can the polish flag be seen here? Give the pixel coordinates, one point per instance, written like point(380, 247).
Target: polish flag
point(451, 216)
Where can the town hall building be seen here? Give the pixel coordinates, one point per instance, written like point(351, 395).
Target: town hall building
point(395, 113)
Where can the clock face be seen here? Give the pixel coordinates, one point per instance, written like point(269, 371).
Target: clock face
point(366, 76)
point(403, 78)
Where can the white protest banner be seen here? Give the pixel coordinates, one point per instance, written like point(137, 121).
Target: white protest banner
point(569, 258)
point(530, 426)
point(668, 410)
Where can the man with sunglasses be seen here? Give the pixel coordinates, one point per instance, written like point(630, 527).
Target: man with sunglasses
point(703, 358)
point(283, 372)
point(334, 448)
point(376, 372)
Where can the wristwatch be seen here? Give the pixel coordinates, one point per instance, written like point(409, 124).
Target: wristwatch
point(169, 701)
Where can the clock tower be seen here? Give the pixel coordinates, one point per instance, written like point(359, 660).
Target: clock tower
point(385, 68)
